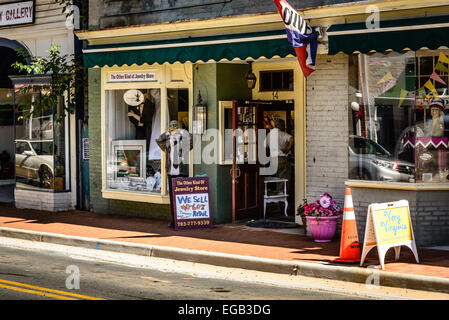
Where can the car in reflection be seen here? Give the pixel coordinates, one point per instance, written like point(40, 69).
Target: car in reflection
point(368, 160)
point(34, 162)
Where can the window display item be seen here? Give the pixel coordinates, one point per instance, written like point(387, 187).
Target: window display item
point(176, 143)
point(435, 126)
point(129, 158)
point(133, 97)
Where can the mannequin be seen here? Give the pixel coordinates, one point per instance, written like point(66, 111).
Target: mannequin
point(142, 117)
point(176, 143)
point(435, 127)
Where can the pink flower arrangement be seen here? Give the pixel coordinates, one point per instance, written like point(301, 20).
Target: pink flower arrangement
point(323, 207)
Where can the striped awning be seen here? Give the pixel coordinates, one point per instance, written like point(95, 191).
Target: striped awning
point(396, 35)
point(201, 49)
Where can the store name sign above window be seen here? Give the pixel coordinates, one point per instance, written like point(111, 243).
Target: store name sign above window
point(12, 14)
point(132, 76)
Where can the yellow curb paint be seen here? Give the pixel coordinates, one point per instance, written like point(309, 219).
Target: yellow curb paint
point(49, 290)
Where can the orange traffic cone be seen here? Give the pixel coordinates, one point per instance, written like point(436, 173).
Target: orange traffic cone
point(349, 244)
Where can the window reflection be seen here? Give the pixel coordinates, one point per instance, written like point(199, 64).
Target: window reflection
point(40, 144)
point(398, 117)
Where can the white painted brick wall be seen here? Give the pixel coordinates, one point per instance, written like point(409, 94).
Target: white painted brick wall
point(327, 128)
point(38, 200)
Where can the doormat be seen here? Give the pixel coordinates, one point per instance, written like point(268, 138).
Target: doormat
point(271, 224)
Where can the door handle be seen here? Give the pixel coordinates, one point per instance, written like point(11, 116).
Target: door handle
point(237, 171)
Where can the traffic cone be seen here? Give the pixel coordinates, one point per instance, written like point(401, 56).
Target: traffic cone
point(349, 244)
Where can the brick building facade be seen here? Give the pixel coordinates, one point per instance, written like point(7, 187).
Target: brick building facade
point(323, 116)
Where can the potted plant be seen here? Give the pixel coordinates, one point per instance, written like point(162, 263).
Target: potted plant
point(322, 217)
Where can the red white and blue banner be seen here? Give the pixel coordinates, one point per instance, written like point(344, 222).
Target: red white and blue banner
point(300, 35)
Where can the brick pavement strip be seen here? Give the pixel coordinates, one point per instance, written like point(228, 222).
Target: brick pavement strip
point(233, 245)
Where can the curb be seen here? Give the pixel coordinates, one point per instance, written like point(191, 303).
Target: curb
point(317, 270)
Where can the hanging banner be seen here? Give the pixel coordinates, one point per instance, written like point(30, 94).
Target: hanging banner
point(17, 13)
point(440, 67)
point(300, 35)
point(436, 77)
point(191, 207)
point(429, 85)
point(385, 78)
point(403, 95)
point(387, 86)
point(443, 58)
point(388, 225)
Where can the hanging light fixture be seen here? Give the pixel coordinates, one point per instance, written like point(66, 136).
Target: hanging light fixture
point(200, 110)
point(251, 77)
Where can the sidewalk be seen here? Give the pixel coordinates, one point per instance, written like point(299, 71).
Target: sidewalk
point(286, 245)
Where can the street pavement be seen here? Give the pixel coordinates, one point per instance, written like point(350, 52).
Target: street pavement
point(283, 248)
point(50, 276)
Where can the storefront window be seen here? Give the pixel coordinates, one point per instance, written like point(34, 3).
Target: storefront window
point(399, 125)
point(40, 141)
point(134, 120)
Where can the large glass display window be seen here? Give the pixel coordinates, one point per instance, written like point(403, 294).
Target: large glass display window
point(41, 144)
point(399, 117)
point(134, 121)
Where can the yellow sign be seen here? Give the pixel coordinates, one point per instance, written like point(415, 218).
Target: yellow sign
point(388, 225)
point(393, 225)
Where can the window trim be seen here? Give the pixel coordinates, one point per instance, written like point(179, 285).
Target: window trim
point(163, 82)
point(221, 143)
point(273, 71)
point(407, 186)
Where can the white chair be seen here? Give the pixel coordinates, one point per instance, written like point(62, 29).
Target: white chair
point(280, 197)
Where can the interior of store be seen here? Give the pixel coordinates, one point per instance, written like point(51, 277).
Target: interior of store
point(9, 56)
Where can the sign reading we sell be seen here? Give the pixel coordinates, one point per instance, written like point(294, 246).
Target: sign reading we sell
point(388, 225)
point(190, 198)
point(131, 76)
point(12, 14)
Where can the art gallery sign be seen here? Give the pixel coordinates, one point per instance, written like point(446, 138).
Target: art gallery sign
point(17, 13)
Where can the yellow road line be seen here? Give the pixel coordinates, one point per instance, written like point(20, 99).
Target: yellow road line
point(49, 290)
point(45, 294)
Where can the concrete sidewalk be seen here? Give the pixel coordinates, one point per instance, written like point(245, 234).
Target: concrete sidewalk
point(234, 245)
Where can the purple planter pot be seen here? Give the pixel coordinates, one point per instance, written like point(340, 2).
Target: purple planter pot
point(322, 228)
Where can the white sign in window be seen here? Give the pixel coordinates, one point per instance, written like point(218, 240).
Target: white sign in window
point(132, 76)
point(12, 14)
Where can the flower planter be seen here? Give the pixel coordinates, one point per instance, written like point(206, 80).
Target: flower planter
point(322, 228)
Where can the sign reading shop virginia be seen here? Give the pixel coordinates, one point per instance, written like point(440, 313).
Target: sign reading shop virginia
point(191, 203)
point(131, 76)
point(16, 13)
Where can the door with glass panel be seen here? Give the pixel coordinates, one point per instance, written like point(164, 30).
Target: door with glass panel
point(246, 199)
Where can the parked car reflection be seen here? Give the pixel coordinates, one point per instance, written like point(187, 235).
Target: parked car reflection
point(34, 162)
point(368, 160)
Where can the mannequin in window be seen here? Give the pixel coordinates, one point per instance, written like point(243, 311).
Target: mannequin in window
point(176, 143)
point(142, 117)
point(435, 127)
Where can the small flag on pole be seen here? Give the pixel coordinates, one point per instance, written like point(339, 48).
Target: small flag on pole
point(300, 35)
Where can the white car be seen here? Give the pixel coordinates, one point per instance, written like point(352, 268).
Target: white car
point(34, 161)
point(368, 160)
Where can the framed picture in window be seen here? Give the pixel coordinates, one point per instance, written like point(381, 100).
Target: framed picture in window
point(270, 117)
point(129, 159)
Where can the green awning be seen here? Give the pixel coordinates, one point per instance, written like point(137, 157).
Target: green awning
point(242, 46)
point(396, 35)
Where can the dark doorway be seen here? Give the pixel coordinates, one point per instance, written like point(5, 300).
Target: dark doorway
point(7, 148)
point(250, 188)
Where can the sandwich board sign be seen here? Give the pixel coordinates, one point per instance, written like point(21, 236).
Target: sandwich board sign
point(191, 207)
point(388, 225)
